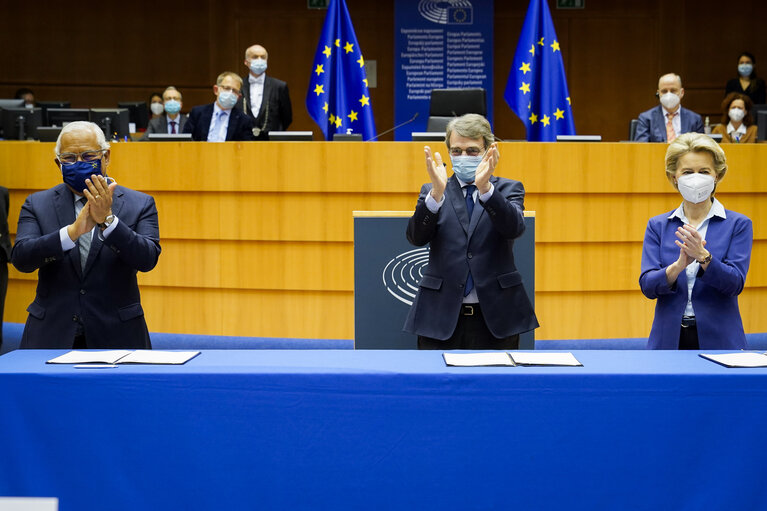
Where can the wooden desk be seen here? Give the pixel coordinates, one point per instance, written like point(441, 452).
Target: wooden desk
point(257, 237)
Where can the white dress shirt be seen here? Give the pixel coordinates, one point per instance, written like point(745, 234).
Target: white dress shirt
point(256, 92)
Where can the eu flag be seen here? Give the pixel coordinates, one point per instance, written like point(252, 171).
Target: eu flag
point(338, 98)
point(537, 87)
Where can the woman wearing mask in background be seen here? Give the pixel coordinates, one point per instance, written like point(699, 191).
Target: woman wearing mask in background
point(695, 258)
point(737, 124)
point(747, 82)
point(155, 105)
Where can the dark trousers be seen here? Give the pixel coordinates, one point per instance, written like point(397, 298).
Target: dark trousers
point(471, 333)
point(688, 336)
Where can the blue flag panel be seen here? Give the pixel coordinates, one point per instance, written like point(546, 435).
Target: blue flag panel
point(338, 98)
point(537, 87)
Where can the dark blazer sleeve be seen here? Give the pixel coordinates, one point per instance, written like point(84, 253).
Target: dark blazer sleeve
point(137, 244)
point(643, 127)
point(286, 110)
point(196, 124)
point(240, 126)
point(422, 226)
point(694, 122)
point(5, 240)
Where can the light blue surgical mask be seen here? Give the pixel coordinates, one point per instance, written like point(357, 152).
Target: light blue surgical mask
point(172, 106)
point(465, 167)
point(257, 66)
point(745, 70)
point(227, 99)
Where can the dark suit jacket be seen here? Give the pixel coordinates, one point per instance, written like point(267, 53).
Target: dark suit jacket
point(483, 244)
point(160, 125)
point(275, 113)
point(5, 253)
point(105, 297)
point(652, 124)
point(198, 124)
point(715, 292)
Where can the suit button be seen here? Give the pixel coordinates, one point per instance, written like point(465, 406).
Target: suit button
point(82, 291)
point(74, 318)
point(460, 286)
point(469, 255)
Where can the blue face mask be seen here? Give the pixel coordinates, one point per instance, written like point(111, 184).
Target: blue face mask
point(172, 106)
point(257, 66)
point(465, 167)
point(745, 69)
point(227, 99)
point(76, 174)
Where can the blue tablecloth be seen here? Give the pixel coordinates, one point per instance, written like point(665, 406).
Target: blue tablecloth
point(384, 430)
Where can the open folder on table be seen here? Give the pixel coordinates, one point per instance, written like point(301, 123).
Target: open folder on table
point(125, 357)
point(510, 359)
point(742, 359)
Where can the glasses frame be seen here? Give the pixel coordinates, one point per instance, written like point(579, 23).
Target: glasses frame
point(480, 151)
point(80, 155)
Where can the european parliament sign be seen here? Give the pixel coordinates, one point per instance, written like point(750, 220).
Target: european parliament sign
point(387, 270)
point(438, 45)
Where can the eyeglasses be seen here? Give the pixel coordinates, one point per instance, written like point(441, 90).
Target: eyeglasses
point(229, 89)
point(470, 151)
point(86, 156)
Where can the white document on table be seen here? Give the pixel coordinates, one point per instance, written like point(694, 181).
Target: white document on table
point(544, 359)
point(89, 357)
point(738, 359)
point(478, 359)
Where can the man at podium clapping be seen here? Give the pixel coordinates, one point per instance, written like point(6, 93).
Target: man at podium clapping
point(471, 295)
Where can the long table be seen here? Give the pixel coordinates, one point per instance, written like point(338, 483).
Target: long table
point(384, 430)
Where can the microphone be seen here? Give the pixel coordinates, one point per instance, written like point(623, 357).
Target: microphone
point(395, 127)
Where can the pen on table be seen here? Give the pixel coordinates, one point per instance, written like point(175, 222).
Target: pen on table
point(95, 366)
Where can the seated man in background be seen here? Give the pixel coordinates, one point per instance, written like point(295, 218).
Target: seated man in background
point(87, 238)
point(172, 121)
point(220, 121)
point(264, 98)
point(668, 120)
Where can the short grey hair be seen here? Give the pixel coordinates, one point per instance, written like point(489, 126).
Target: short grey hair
point(694, 143)
point(470, 126)
point(82, 126)
point(171, 87)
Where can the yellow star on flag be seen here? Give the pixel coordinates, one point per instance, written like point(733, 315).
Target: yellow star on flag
point(541, 42)
point(532, 50)
point(338, 122)
point(332, 119)
point(568, 100)
point(559, 114)
point(533, 118)
point(327, 51)
point(352, 116)
point(318, 89)
point(525, 87)
point(319, 70)
point(365, 81)
point(361, 61)
point(325, 108)
point(525, 68)
point(348, 47)
point(555, 46)
point(545, 120)
point(365, 100)
point(338, 43)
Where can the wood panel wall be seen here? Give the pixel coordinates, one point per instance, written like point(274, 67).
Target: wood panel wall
point(257, 237)
point(98, 53)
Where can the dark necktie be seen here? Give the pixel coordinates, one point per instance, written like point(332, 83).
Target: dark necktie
point(469, 209)
point(173, 127)
point(84, 241)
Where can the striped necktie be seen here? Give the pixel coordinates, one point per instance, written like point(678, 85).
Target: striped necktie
point(670, 133)
point(84, 241)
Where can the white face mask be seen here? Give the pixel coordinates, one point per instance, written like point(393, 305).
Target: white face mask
point(695, 187)
point(669, 100)
point(737, 114)
point(157, 108)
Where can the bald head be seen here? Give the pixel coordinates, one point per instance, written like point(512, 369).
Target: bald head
point(670, 79)
point(256, 51)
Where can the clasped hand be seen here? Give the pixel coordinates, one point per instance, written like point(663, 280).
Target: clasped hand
point(98, 206)
point(691, 245)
